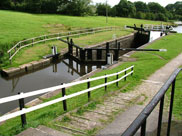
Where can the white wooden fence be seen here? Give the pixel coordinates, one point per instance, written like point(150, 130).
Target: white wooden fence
point(32, 41)
point(155, 27)
point(128, 71)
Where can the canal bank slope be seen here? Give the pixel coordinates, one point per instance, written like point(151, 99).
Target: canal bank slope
point(145, 65)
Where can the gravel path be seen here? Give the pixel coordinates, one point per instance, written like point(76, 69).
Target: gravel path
point(148, 88)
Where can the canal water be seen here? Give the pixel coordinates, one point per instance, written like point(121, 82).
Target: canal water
point(61, 72)
point(178, 29)
point(64, 71)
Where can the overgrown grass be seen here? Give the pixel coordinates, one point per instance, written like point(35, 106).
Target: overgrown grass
point(16, 26)
point(38, 51)
point(146, 64)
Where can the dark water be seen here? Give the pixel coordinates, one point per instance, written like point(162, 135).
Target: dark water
point(62, 72)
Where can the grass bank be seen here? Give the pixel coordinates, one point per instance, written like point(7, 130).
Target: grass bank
point(177, 109)
point(37, 52)
point(17, 26)
point(146, 64)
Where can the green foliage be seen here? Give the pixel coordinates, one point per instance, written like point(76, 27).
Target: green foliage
point(125, 8)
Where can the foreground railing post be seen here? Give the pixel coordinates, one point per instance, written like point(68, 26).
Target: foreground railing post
point(132, 70)
point(22, 105)
point(64, 101)
point(125, 75)
point(143, 129)
point(160, 116)
point(117, 77)
point(171, 108)
point(88, 86)
point(105, 82)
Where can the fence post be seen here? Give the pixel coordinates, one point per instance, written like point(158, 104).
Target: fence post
point(117, 77)
point(64, 101)
point(125, 77)
point(107, 49)
point(132, 70)
point(82, 54)
point(10, 54)
point(160, 116)
point(88, 86)
point(22, 105)
point(105, 82)
point(32, 42)
point(76, 51)
point(171, 108)
point(143, 129)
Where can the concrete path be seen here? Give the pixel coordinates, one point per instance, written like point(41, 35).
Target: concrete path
point(148, 88)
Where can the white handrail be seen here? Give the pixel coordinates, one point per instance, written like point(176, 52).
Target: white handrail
point(20, 45)
point(51, 89)
point(27, 110)
point(54, 34)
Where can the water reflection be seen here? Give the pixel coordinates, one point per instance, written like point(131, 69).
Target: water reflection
point(63, 71)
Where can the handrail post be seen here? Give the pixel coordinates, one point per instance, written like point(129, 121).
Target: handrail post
point(117, 77)
point(88, 86)
point(32, 42)
point(171, 107)
point(105, 82)
point(132, 70)
point(125, 77)
point(64, 101)
point(22, 105)
point(160, 116)
point(143, 129)
point(107, 50)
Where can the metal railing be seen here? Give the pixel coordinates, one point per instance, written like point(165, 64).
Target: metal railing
point(141, 120)
point(32, 41)
point(156, 27)
point(21, 96)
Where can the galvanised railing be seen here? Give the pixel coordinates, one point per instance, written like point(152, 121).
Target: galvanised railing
point(141, 120)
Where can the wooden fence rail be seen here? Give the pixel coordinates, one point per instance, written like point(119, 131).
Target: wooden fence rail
point(65, 97)
point(32, 41)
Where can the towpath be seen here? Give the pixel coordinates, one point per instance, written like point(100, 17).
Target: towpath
point(148, 88)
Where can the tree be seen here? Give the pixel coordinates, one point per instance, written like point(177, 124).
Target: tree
point(156, 8)
point(140, 15)
point(75, 7)
point(141, 6)
point(101, 9)
point(5, 4)
point(49, 6)
point(125, 8)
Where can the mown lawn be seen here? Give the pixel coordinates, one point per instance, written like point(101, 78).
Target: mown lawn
point(38, 51)
point(17, 26)
point(146, 64)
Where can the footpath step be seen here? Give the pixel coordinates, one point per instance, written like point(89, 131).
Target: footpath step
point(42, 131)
point(94, 119)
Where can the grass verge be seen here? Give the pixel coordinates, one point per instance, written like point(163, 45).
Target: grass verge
point(37, 52)
point(17, 26)
point(146, 64)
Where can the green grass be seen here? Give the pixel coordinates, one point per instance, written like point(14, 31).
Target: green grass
point(177, 106)
point(16, 26)
point(38, 51)
point(146, 64)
